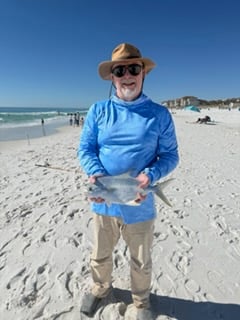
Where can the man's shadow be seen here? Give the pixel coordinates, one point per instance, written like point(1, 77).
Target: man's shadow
point(181, 309)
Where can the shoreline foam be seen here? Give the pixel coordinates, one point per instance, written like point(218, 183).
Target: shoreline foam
point(31, 132)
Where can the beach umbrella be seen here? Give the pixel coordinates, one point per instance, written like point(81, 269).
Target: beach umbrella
point(192, 108)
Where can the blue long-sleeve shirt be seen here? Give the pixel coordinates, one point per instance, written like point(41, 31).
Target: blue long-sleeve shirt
point(120, 136)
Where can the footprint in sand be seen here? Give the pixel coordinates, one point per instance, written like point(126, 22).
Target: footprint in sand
point(187, 202)
point(176, 230)
point(42, 275)
point(181, 214)
point(182, 231)
point(34, 286)
point(64, 314)
point(160, 236)
point(189, 233)
point(217, 279)
point(69, 282)
point(234, 250)
point(192, 286)
point(3, 259)
point(75, 240)
point(180, 261)
point(16, 278)
point(65, 280)
point(185, 246)
point(220, 223)
point(164, 285)
point(47, 235)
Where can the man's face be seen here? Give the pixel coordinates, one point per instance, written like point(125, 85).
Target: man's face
point(128, 86)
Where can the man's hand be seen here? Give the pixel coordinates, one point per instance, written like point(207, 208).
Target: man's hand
point(143, 183)
point(143, 180)
point(92, 179)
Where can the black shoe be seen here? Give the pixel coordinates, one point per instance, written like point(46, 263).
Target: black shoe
point(90, 304)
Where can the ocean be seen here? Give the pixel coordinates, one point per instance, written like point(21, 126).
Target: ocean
point(25, 123)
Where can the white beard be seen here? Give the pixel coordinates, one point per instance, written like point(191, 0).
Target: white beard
point(128, 94)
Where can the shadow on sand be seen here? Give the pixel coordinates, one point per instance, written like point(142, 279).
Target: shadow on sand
point(181, 309)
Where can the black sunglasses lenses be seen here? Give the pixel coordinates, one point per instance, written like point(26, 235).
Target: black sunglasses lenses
point(119, 71)
point(133, 69)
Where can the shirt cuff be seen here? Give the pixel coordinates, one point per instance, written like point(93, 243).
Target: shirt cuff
point(148, 172)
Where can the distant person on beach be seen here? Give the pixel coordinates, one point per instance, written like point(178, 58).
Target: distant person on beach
point(204, 120)
point(71, 120)
point(43, 129)
point(128, 133)
point(76, 119)
point(81, 121)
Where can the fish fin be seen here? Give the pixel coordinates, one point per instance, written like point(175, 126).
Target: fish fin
point(165, 183)
point(158, 191)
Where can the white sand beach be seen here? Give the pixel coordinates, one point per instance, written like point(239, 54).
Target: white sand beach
point(46, 228)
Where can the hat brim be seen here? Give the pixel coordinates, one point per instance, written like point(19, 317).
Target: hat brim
point(105, 67)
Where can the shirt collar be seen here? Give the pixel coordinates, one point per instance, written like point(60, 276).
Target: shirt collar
point(141, 99)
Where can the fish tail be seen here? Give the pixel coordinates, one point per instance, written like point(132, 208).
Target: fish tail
point(158, 190)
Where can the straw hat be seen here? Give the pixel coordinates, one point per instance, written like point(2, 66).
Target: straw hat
point(123, 53)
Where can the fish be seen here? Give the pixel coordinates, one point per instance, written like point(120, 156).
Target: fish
point(123, 189)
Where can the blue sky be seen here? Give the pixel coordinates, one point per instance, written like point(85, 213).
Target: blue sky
point(50, 49)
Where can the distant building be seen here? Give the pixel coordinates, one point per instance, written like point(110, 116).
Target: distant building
point(182, 102)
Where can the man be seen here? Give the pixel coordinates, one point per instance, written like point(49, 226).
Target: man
point(126, 133)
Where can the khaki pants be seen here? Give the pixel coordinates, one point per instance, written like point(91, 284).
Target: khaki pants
point(139, 237)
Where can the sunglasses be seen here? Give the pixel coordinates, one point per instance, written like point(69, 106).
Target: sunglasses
point(133, 69)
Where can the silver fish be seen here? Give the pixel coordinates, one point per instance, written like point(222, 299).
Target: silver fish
point(123, 189)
